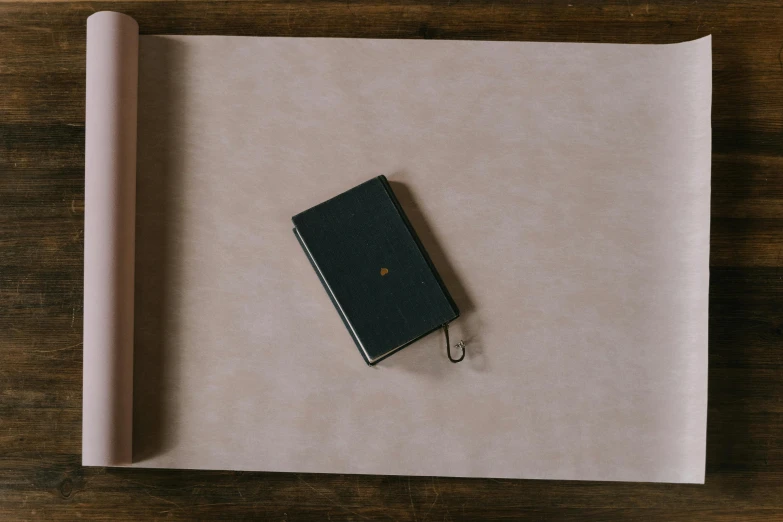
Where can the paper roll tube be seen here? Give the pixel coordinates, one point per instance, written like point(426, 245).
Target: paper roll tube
point(110, 201)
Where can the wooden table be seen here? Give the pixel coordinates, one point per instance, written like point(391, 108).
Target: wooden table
point(42, 75)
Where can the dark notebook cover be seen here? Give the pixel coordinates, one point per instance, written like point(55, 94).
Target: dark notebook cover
point(373, 266)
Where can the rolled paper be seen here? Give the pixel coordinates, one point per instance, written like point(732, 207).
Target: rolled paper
point(110, 201)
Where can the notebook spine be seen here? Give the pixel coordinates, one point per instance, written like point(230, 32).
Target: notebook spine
point(332, 298)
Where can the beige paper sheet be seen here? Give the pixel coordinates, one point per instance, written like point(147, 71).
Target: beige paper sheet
point(562, 190)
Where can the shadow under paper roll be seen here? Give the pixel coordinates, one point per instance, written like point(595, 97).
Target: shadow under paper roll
point(161, 102)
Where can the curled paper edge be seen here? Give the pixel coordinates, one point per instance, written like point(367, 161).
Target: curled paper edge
point(109, 238)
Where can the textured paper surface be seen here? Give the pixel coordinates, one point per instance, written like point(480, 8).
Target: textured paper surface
point(562, 191)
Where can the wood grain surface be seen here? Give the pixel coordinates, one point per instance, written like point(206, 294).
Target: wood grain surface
point(42, 76)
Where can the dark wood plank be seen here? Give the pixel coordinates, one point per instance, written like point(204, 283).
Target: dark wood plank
point(41, 239)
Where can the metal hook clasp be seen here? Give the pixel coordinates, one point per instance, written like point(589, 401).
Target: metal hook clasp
point(460, 345)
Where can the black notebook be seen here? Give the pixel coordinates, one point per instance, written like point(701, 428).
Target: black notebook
point(374, 268)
